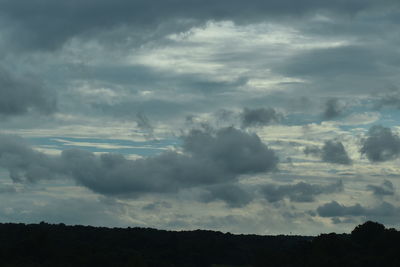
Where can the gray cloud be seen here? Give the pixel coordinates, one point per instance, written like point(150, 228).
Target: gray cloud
point(334, 152)
point(144, 124)
point(7, 189)
point(381, 144)
point(334, 209)
point(348, 68)
point(385, 211)
point(46, 24)
point(333, 109)
point(20, 95)
point(385, 189)
point(313, 150)
point(331, 152)
point(300, 192)
point(233, 149)
point(390, 98)
point(324, 62)
point(97, 212)
point(233, 195)
point(208, 158)
point(24, 163)
point(157, 206)
point(259, 117)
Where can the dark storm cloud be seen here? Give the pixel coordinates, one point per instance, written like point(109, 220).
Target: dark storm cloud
point(333, 109)
point(384, 212)
point(300, 192)
point(208, 158)
point(385, 189)
point(381, 144)
point(332, 152)
point(47, 24)
point(259, 117)
point(20, 95)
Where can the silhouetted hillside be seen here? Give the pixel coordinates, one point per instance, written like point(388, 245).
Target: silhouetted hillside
point(44, 244)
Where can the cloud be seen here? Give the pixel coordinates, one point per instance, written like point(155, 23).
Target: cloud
point(207, 159)
point(259, 117)
point(344, 68)
point(20, 95)
point(25, 164)
point(233, 195)
point(384, 212)
point(334, 209)
point(334, 152)
point(232, 149)
point(333, 109)
point(300, 192)
point(48, 24)
point(385, 189)
point(331, 152)
point(338, 61)
point(390, 99)
point(313, 150)
point(381, 144)
point(72, 211)
point(144, 124)
point(7, 189)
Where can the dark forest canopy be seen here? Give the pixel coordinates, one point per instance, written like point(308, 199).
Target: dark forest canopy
point(369, 244)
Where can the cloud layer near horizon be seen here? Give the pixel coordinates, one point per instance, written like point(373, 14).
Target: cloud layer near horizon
point(206, 159)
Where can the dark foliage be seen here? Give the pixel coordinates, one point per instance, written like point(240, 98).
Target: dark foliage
point(44, 244)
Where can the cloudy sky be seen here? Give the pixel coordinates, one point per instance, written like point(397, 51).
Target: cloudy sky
point(266, 117)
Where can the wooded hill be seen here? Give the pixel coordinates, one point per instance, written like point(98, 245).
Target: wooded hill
point(370, 244)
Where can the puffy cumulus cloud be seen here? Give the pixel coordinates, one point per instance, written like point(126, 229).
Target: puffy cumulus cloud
point(207, 159)
point(385, 189)
point(47, 24)
point(381, 144)
point(300, 192)
point(259, 117)
point(331, 152)
point(385, 211)
point(334, 152)
point(232, 149)
point(20, 95)
point(333, 108)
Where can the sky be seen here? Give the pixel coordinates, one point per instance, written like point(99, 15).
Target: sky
point(262, 117)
